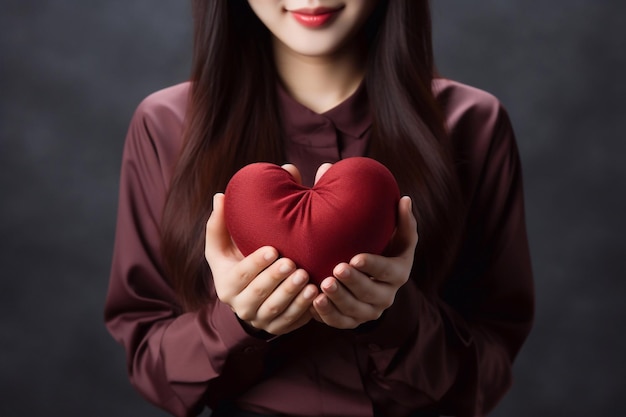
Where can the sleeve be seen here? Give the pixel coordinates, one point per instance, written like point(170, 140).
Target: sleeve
point(179, 362)
point(454, 353)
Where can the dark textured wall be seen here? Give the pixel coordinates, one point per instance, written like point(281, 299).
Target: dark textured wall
point(73, 71)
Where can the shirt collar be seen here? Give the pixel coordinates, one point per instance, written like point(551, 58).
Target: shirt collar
point(352, 116)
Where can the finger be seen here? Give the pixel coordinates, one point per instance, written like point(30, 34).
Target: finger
point(297, 312)
point(405, 238)
point(280, 299)
point(293, 170)
point(375, 292)
point(383, 270)
point(349, 304)
point(260, 287)
point(217, 236)
point(277, 328)
point(407, 223)
point(321, 171)
point(233, 278)
point(257, 262)
point(329, 314)
point(315, 314)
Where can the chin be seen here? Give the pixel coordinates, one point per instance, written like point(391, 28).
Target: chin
point(313, 46)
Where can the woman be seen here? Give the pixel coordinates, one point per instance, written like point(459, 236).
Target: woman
point(426, 331)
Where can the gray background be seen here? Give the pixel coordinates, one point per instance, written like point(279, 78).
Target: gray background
point(73, 71)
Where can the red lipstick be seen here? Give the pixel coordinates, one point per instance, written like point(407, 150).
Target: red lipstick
point(314, 18)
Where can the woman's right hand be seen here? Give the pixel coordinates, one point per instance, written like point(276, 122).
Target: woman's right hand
point(264, 291)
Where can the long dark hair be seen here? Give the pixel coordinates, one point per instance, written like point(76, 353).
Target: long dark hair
point(232, 120)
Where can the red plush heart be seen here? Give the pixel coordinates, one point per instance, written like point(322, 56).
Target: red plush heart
point(352, 209)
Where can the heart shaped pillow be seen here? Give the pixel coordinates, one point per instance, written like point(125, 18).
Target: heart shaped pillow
point(352, 209)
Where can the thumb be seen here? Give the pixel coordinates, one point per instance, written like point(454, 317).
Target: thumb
point(405, 237)
point(217, 235)
point(321, 171)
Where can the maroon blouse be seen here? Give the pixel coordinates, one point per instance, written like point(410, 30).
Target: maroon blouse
point(452, 356)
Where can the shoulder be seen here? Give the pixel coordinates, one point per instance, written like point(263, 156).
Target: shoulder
point(155, 133)
point(168, 105)
point(480, 132)
point(467, 108)
point(450, 91)
point(160, 116)
point(476, 120)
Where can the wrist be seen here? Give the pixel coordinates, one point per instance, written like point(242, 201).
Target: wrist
point(255, 332)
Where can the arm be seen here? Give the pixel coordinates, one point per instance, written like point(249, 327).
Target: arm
point(177, 361)
point(453, 352)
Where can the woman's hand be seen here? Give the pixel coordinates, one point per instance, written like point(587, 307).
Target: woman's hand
point(264, 291)
point(361, 290)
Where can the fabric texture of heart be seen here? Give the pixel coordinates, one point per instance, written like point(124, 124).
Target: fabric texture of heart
point(352, 209)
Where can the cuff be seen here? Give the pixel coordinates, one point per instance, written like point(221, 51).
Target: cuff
point(222, 325)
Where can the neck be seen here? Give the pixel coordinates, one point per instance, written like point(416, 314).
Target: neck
point(320, 83)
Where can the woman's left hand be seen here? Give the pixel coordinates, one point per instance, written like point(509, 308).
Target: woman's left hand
point(361, 290)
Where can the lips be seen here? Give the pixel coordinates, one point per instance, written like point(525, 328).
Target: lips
point(314, 18)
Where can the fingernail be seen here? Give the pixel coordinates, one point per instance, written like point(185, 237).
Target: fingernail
point(322, 302)
point(343, 272)
point(309, 293)
point(358, 262)
point(332, 287)
point(298, 279)
point(268, 255)
point(285, 268)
